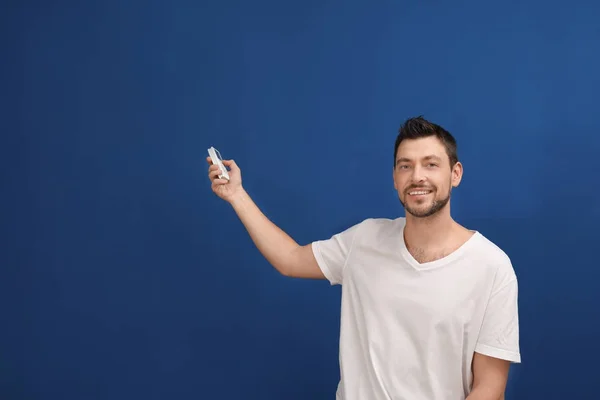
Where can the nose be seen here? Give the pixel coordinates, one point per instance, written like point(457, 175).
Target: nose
point(418, 175)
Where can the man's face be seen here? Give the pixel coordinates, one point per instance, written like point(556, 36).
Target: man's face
point(423, 176)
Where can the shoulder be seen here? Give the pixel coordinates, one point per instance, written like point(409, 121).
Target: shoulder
point(384, 223)
point(496, 261)
point(365, 234)
point(378, 234)
point(381, 226)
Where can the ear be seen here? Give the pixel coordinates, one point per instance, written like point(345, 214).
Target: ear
point(457, 173)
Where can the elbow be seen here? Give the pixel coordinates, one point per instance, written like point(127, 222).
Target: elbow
point(285, 267)
point(283, 271)
point(288, 265)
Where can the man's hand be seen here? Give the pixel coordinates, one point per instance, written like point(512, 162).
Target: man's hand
point(489, 378)
point(227, 190)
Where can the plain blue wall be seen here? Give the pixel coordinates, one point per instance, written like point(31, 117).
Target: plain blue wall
point(124, 277)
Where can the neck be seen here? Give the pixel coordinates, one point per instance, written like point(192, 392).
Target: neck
point(429, 232)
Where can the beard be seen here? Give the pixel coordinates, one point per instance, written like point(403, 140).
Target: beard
point(433, 208)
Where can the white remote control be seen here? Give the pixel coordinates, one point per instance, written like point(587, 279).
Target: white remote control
point(216, 158)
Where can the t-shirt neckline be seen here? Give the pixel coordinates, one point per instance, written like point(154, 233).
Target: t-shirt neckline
point(436, 263)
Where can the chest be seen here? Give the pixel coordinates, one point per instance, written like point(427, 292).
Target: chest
point(449, 297)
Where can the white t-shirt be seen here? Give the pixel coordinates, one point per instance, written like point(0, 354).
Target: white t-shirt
point(409, 330)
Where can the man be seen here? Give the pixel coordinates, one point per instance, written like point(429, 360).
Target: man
point(429, 307)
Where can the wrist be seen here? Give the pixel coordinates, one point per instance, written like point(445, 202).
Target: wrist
point(239, 198)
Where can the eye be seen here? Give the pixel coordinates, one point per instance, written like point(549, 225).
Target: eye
point(432, 165)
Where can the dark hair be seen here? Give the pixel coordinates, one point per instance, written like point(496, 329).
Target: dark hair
point(419, 127)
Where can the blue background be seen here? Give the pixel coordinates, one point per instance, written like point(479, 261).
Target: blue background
point(124, 277)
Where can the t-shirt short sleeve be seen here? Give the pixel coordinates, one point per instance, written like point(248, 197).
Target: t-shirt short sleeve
point(499, 335)
point(332, 254)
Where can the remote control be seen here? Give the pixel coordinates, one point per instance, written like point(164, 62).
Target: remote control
point(216, 158)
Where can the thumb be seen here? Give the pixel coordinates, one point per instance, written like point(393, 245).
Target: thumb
point(231, 164)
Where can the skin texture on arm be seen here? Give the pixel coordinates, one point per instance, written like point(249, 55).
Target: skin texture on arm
point(278, 248)
point(489, 378)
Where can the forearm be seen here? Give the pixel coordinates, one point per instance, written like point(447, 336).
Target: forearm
point(273, 243)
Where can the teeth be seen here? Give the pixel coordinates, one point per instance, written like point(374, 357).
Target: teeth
point(419, 192)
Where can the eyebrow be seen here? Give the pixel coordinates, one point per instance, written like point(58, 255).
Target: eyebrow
point(429, 157)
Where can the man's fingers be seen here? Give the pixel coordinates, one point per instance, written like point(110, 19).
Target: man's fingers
point(219, 181)
point(214, 173)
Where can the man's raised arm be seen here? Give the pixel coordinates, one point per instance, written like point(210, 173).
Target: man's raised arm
point(280, 250)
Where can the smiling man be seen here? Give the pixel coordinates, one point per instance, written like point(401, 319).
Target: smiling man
point(429, 307)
